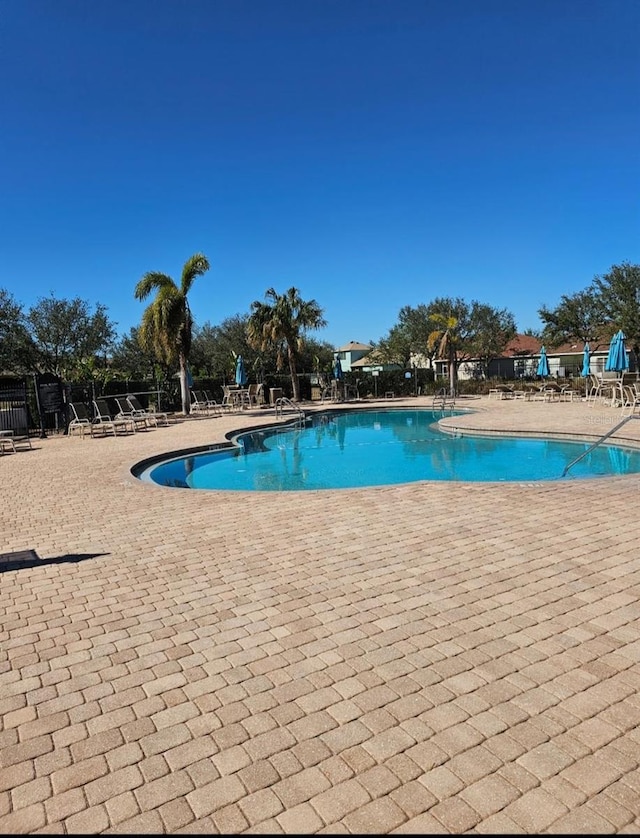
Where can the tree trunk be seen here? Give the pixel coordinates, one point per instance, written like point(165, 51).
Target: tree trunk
point(185, 395)
point(452, 371)
point(294, 376)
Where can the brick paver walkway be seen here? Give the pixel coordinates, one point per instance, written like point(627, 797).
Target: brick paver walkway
point(425, 658)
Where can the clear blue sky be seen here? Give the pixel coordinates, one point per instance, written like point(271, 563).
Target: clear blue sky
point(372, 154)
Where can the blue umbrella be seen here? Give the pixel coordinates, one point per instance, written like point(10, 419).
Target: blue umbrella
point(543, 364)
point(586, 361)
point(617, 360)
point(241, 375)
point(337, 369)
point(189, 377)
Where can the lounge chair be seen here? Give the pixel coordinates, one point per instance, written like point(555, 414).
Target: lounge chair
point(83, 421)
point(80, 419)
point(140, 420)
point(200, 403)
point(151, 414)
point(220, 406)
point(569, 394)
point(550, 391)
point(9, 439)
point(103, 417)
point(6, 441)
point(501, 391)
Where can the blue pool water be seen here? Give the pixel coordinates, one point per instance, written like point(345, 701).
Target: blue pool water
point(380, 447)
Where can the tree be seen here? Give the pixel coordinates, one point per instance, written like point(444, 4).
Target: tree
point(578, 316)
point(619, 292)
point(17, 350)
point(167, 324)
point(67, 335)
point(490, 330)
point(611, 302)
point(316, 356)
point(214, 348)
point(130, 360)
point(281, 324)
point(408, 338)
point(450, 329)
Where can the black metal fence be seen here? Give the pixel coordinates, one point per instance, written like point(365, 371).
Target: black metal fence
point(15, 414)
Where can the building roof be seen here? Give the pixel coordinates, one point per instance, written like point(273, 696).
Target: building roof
point(523, 345)
point(353, 344)
point(577, 348)
point(370, 360)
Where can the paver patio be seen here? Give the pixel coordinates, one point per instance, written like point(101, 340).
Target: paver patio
point(424, 658)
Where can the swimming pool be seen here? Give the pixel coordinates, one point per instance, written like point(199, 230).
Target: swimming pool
point(347, 449)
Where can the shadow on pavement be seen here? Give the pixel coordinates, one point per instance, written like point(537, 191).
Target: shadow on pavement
point(29, 558)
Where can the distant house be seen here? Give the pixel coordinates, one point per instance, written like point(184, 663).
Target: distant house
point(519, 360)
point(567, 358)
point(372, 362)
point(350, 353)
point(521, 356)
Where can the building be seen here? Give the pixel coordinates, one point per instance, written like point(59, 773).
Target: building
point(522, 354)
point(351, 352)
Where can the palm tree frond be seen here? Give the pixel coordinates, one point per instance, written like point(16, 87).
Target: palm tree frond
point(152, 281)
point(197, 265)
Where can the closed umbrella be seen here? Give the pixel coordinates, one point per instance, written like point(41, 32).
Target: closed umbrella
point(241, 375)
point(543, 363)
point(337, 376)
point(617, 360)
point(586, 361)
point(189, 377)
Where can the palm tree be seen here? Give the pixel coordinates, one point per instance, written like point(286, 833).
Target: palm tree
point(167, 324)
point(445, 337)
point(280, 324)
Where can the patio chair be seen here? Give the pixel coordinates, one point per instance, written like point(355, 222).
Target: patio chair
point(256, 394)
point(593, 388)
point(631, 398)
point(599, 388)
point(235, 398)
point(103, 417)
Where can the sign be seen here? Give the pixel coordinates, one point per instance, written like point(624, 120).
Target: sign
point(51, 397)
point(375, 372)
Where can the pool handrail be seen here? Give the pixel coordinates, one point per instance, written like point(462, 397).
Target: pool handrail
point(598, 442)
